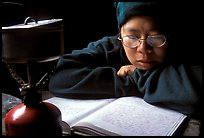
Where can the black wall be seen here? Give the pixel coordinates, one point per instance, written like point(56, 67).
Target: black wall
point(84, 21)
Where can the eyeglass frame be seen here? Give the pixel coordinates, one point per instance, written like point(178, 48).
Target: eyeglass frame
point(139, 40)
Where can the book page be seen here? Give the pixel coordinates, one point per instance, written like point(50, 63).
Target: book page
point(132, 116)
point(75, 109)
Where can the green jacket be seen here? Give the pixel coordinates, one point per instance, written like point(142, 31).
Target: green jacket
point(91, 73)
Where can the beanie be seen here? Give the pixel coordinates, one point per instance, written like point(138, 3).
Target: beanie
point(125, 10)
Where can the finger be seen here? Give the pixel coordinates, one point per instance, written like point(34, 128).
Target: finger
point(121, 73)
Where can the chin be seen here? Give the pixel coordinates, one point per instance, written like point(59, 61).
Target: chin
point(144, 68)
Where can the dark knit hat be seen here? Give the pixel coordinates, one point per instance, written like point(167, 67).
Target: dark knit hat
point(125, 10)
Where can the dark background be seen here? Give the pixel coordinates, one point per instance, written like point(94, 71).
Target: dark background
point(86, 21)
point(83, 22)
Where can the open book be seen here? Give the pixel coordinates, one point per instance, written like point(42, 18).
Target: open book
point(126, 116)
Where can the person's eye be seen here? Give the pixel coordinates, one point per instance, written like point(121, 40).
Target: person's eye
point(132, 37)
point(157, 36)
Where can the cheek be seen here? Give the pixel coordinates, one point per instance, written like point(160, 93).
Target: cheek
point(131, 55)
point(160, 54)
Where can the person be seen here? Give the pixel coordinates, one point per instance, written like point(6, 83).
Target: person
point(137, 61)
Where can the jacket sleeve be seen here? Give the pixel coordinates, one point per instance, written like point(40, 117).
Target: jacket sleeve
point(90, 73)
point(177, 87)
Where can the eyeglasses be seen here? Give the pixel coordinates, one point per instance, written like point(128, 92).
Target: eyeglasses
point(132, 41)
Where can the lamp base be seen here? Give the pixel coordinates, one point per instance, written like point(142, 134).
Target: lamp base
point(41, 119)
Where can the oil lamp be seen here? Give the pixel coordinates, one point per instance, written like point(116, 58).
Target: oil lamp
point(35, 46)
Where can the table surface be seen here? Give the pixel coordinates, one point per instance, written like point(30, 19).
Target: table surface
point(193, 126)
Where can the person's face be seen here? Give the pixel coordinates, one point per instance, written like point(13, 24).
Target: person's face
point(143, 56)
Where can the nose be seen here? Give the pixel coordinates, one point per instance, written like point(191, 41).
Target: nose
point(143, 47)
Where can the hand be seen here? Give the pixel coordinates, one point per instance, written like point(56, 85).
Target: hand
point(126, 70)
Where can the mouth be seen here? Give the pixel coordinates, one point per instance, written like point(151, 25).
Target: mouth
point(146, 64)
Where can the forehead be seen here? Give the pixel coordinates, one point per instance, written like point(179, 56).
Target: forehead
point(140, 23)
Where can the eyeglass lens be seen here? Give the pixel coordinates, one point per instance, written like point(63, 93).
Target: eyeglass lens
point(154, 41)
